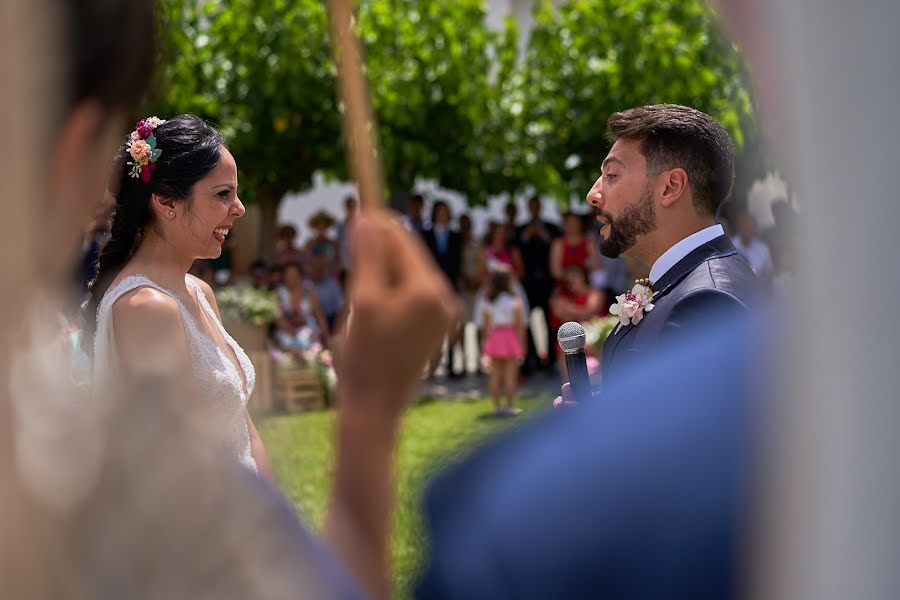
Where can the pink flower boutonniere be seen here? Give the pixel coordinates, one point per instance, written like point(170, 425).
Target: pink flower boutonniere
point(631, 306)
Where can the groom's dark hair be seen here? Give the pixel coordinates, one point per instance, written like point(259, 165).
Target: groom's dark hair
point(678, 136)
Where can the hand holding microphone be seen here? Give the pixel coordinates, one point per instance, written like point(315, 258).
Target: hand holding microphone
point(572, 339)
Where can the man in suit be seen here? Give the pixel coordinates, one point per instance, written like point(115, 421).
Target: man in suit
point(534, 239)
point(669, 169)
point(445, 246)
point(444, 243)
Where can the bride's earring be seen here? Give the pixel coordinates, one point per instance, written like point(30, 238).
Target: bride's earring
point(171, 213)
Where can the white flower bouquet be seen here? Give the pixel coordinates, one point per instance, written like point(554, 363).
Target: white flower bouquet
point(247, 305)
point(598, 329)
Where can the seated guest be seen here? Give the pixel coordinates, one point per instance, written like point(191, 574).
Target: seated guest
point(576, 301)
point(285, 250)
point(301, 322)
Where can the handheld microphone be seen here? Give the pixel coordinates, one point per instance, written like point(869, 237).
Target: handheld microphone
point(571, 339)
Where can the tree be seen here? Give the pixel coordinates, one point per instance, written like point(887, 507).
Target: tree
point(430, 64)
point(263, 71)
point(453, 100)
point(590, 58)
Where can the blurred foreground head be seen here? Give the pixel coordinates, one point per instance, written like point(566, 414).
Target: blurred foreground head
point(72, 71)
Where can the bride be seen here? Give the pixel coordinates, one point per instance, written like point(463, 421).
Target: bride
point(177, 201)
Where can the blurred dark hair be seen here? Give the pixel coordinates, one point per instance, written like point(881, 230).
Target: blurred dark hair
point(500, 281)
point(580, 270)
point(675, 136)
point(577, 216)
point(110, 46)
point(286, 231)
point(191, 149)
point(436, 207)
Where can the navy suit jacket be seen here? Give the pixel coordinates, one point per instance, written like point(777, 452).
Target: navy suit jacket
point(713, 278)
point(638, 497)
point(449, 261)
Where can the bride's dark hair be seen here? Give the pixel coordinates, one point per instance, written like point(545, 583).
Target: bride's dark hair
point(191, 149)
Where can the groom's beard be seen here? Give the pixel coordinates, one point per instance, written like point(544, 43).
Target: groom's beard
point(635, 220)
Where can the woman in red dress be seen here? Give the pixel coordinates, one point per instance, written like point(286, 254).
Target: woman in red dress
point(574, 249)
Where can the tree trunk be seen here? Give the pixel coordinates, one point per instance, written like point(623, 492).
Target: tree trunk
point(268, 224)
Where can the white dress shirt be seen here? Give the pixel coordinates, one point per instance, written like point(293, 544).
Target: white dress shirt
point(674, 254)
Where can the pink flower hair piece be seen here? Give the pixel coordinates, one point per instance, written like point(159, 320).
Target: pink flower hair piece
point(141, 146)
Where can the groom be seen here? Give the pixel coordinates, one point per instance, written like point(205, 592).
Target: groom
point(667, 173)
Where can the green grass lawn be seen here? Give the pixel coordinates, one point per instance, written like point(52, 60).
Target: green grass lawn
point(301, 452)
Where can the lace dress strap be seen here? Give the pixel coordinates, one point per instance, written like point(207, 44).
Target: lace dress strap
point(246, 366)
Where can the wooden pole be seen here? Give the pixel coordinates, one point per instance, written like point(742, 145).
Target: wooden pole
point(360, 137)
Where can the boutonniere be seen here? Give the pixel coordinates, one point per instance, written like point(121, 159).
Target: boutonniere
point(631, 306)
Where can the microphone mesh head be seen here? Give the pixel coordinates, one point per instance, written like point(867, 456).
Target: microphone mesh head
point(571, 337)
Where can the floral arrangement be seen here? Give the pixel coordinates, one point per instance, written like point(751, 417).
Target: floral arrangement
point(247, 305)
point(141, 145)
point(598, 329)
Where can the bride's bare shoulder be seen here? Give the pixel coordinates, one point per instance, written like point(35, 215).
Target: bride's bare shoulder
point(148, 326)
point(146, 303)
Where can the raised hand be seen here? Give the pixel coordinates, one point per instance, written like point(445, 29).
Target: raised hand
point(401, 308)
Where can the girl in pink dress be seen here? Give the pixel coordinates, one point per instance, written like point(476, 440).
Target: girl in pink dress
point(503, 317)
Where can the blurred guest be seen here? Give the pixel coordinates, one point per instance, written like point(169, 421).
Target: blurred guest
point(301, 322)
point(351, 208)
point(512, 216)
point(414, 219)
point(535, 238)
point(445, 246)
point(470, 257)
point(444, 243)
point(576, 301)
point(612, 277)
point(285, 250)
point(321, 248)
point(328, 290)
point(499, 254)
point(498, 250)
point(753, 248)
point(259, 274)
point(276, 275)
point(573, 249)
point(783, 261)
point(504, 340)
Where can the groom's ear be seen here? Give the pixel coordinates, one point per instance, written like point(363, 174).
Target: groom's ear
point(675, 184)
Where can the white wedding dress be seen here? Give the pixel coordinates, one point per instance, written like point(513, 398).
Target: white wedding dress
point(218, 380)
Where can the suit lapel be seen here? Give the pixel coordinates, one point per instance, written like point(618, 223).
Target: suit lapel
point(716, 248)
point(719, 247)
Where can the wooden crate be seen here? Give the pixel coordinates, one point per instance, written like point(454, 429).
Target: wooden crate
point(298, 389)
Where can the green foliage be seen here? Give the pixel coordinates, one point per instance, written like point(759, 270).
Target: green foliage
point(454, 100)
point(590, 58)
point(262, 70)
